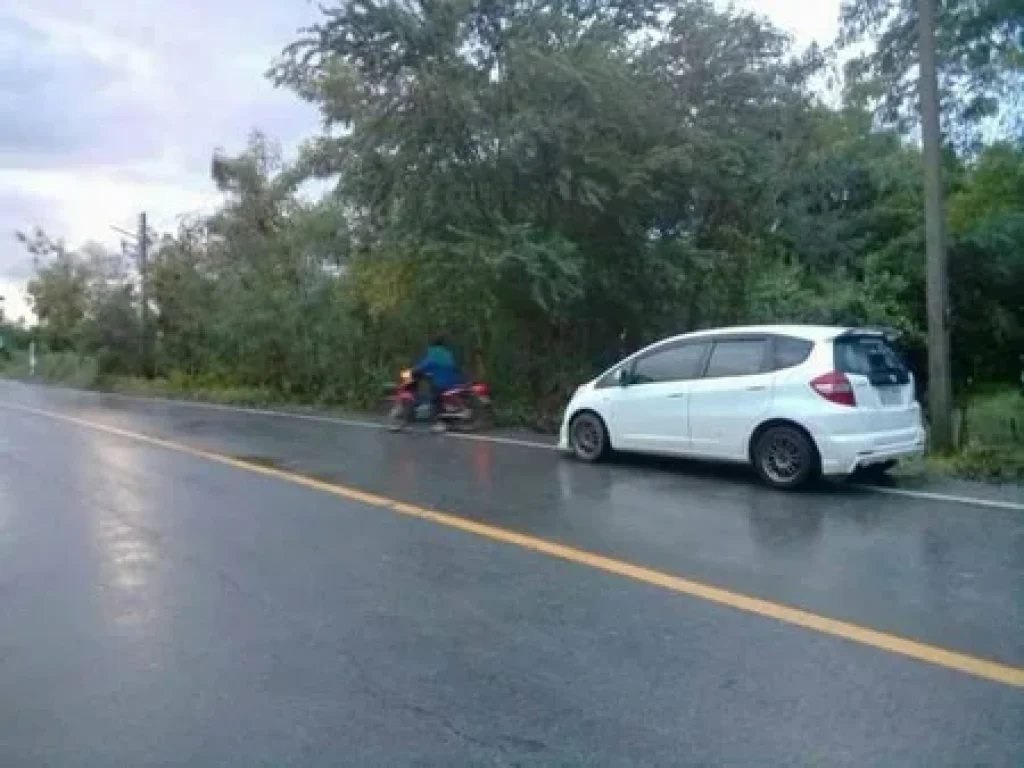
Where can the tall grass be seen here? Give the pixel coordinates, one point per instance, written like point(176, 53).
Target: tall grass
point(991, 439)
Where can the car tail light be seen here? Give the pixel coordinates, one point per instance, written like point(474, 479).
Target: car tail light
point(836, 388)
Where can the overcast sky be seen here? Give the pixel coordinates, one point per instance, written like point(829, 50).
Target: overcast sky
point(108, 111)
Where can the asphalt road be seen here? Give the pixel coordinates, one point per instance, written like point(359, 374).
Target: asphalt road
point(160, 606)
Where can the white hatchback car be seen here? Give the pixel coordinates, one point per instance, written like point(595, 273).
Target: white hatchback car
point(794, 401)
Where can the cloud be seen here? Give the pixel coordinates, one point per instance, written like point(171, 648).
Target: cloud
point(805, 21)
point(108, 109)
point(15, 208)
point(69, 97)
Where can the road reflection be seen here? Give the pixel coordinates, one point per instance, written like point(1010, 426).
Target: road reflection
point(123, 542)
point(782, 529)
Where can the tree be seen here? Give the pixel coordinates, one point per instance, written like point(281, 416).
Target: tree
point(59, 292)
point(986, 215)
point(980, 52)
point(553, 173)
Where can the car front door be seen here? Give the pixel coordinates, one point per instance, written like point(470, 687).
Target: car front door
point(731, 398)
point(649, 410)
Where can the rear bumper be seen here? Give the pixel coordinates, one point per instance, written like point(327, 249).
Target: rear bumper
point(844, 454)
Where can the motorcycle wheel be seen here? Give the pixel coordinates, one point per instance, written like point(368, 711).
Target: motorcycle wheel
point(398, 413)
point(472, 419)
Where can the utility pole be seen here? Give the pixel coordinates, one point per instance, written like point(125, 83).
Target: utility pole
point(143, 245)
point(940, 388)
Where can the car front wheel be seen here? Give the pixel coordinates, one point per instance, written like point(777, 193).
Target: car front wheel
point(588, 437)
point(785, 457)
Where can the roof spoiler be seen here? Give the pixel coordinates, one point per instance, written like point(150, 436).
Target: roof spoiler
point(890, 333)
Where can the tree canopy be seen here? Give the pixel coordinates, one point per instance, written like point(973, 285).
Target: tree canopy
point(981, 62)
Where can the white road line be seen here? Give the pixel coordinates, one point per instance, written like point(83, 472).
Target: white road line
point(503, 440)
point(320, 419)
point(944, 497)
point(497, 439)
point(312, 417)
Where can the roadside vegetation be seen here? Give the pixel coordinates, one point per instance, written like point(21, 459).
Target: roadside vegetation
point(552, 185)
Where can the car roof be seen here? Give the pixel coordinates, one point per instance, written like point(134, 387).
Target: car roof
point(808, 332)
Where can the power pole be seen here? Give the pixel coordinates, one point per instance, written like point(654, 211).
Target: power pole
point(940, 388)
point(143, 245)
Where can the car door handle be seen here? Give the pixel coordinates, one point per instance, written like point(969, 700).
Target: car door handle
point(756, 388)
point(675, 395)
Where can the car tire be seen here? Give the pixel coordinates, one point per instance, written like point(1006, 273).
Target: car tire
point(588, 437)
point(785, 457)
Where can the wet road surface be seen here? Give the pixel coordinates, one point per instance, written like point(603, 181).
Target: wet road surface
point(160, 608)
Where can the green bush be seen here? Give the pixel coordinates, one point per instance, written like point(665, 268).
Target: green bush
point(995, 419)
point(975, 461)
point(66, 368)
point(185, 387)
point(991, 440)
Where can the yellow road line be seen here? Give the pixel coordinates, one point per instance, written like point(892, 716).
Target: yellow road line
point(972, 665)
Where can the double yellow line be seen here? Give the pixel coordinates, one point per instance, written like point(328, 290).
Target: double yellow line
point(941, 657)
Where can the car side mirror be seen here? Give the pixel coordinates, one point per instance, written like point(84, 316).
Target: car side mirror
point(623, 377)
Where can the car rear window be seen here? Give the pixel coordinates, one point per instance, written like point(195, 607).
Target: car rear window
point(870, 356)
point(736, 357)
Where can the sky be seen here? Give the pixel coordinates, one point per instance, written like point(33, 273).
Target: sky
point(108, 108)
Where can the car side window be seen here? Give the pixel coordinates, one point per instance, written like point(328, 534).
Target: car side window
point(736, 357)
point(788, 352)
point(676, 363)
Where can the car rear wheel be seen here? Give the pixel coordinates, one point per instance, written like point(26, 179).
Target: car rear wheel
point(588, 437)
point(785, 457)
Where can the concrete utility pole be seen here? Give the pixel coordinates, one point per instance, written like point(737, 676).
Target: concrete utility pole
point(147, 369)
point(940, 388)
point(141, 241)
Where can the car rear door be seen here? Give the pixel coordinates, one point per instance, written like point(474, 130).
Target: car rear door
point(882, 383)
point(650, 411)
point(732, 397)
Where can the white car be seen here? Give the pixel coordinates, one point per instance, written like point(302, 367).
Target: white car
point(793, 401)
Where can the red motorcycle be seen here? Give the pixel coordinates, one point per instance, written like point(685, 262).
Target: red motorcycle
point(465, 407)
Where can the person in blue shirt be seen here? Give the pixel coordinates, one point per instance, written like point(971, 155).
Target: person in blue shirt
point(438, 367)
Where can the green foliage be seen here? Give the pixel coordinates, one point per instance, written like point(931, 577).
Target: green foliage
point(66, 367)
point(980, 49)
point(979, 461)
point(991, 437)
point(59, 291)
point(987, 266)
point(85, 302)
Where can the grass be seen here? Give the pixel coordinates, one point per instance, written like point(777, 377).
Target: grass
point(192, 389)
point(991, 440)
point(67, 368)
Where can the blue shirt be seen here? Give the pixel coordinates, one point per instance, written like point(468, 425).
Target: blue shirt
point(439, 364)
